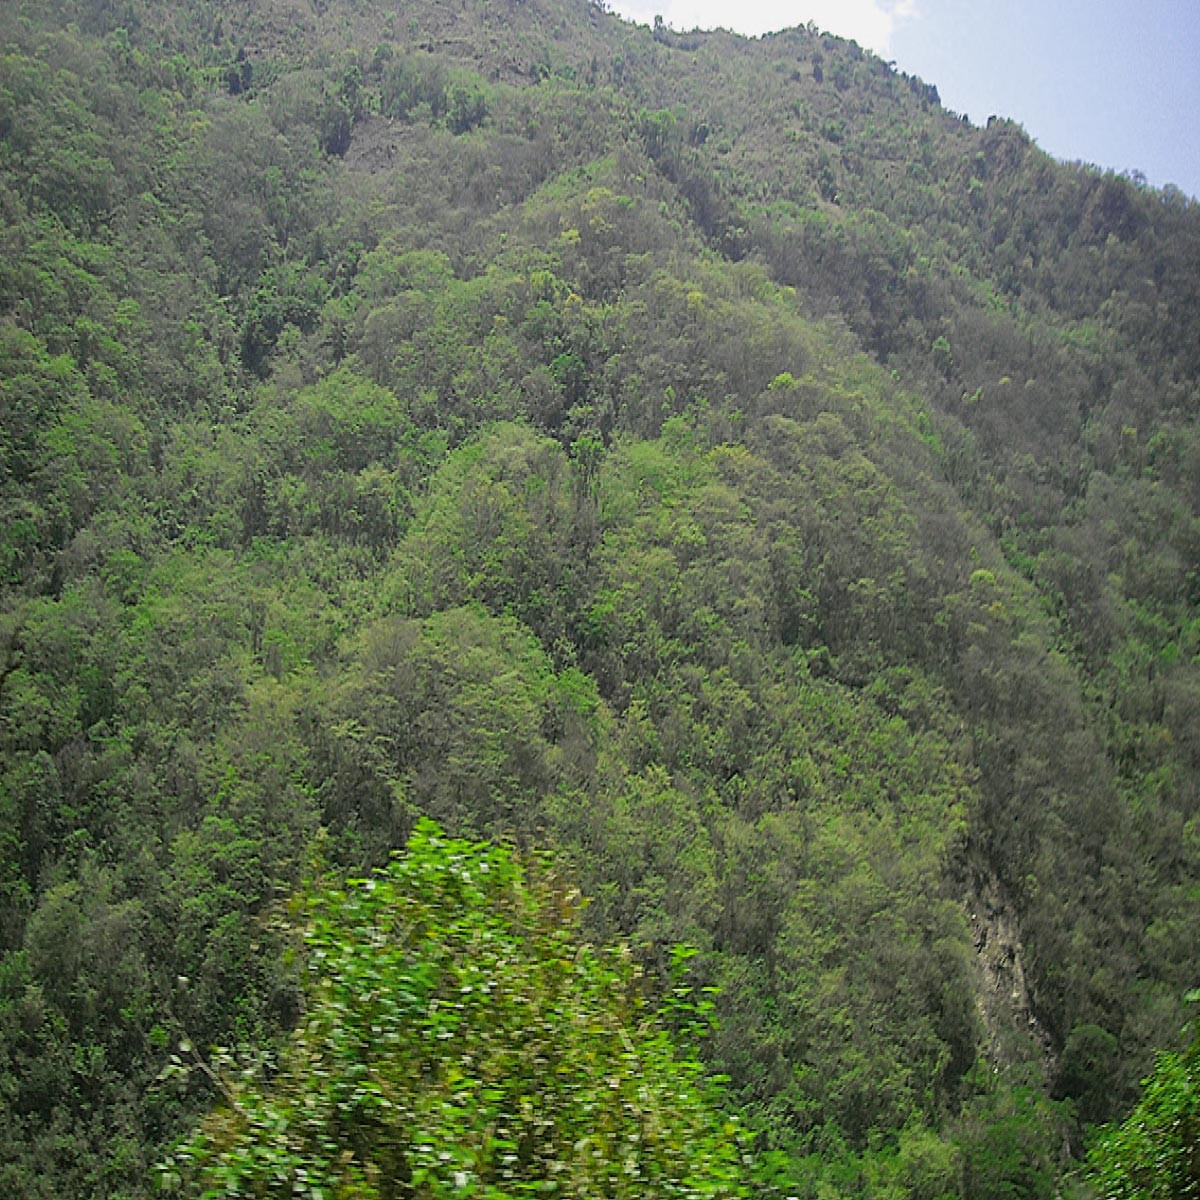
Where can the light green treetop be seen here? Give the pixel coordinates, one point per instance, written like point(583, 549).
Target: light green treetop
point(462, 1039)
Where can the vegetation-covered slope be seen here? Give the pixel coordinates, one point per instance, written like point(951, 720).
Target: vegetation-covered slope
point(708, 459)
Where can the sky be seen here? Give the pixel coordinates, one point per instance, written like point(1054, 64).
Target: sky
point(1110, 82)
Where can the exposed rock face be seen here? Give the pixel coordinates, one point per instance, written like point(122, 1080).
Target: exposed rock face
point(1004, 1001)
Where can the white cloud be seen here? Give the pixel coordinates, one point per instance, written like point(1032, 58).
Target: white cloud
point(871, 23)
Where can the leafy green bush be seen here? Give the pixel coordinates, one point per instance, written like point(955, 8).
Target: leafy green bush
point(1155, 1154)
point(461, 1039)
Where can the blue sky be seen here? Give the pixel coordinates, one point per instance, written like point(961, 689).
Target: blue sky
point(1111, 82)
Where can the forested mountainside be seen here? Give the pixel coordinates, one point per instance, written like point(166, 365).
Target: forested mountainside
point(709, 462)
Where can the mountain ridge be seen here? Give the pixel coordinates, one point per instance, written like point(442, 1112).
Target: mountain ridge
point(708, 458)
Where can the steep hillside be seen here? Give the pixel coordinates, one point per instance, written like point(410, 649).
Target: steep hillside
point(709, 460)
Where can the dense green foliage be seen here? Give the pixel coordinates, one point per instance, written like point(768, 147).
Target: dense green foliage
point(709, 460)
point(1155, 1154)
point(461, 1040)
